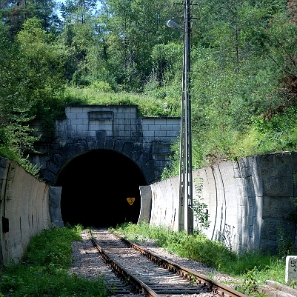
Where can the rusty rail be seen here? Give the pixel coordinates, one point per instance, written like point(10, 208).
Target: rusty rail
point(140, 287)
point(191, 275)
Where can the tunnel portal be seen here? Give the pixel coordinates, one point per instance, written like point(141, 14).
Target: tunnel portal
point(95, 188)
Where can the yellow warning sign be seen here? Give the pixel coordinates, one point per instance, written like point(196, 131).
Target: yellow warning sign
point(131, 200)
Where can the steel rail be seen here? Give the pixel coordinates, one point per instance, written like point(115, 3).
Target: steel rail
point(189, 274)
point(124, 274)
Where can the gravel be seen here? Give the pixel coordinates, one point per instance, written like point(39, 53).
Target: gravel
point(87, 264)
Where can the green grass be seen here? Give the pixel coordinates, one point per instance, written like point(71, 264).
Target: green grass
point(147, 105)
point(253, 269)
point(43, 270)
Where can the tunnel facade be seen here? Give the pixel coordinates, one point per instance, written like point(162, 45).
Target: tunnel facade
point(145, 140)
point(105, 146)
point(100, 188)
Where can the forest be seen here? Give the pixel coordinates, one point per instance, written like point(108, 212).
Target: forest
point(243, 70)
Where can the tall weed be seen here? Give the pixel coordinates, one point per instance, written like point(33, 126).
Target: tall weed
point(43, 270)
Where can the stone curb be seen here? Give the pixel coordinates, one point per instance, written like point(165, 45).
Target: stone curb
point(275, 289)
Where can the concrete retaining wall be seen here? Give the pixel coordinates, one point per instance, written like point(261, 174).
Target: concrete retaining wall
point(27, 206)
point(250, 202)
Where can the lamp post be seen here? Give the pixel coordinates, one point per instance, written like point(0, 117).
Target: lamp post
point(185, 166)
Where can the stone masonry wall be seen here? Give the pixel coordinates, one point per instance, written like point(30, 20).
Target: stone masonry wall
point(118, 121)
point(250, 202)
point(146, 140)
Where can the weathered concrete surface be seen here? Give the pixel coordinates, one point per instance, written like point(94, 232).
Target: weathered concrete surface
point(165, 203)
point(145, 203)
point(249, 201)
point(24, 208)
point(55, 206)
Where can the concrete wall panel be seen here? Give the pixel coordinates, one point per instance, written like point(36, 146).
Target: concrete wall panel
point(249, 201)
point(24, 209)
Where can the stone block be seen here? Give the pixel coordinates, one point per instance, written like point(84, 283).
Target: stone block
point(160, 133)
point(100, 136)
point(277, 207)
point(128, 149)
point(278, 185)
point(149, 134)
point(291, 269)
point(172, 134)
point(52, 167)
point(159, 121)
point(81, 128)
point(145, 127)
point(160, 148)
point(154, 127)
point(146, 204)
point(54, 206)
point(109, 142)
point(119, 145)
point(76, 122)
point(58, 160)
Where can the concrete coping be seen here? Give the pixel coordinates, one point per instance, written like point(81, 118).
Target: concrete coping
point(282, 288)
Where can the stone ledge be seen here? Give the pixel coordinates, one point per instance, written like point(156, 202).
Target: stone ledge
point(275, 289)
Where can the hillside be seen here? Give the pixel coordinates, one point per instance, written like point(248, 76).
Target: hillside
point(243, 69)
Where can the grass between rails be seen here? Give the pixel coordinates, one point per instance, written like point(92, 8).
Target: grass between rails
point(43, 270)
point(253, 269)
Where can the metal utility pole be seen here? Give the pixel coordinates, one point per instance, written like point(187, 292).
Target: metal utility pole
point(185, 174)
point(185, 218)
point(186, 179)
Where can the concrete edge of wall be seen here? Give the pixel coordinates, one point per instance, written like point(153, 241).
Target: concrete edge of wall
point(145, 204)
point(54, 206)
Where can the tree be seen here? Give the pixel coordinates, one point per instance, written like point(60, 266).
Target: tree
point(31, 77)
point(15, 133)
point(132, 29)
point(14, 13)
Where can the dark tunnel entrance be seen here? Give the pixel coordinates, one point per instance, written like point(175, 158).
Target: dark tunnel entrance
point(95, 188)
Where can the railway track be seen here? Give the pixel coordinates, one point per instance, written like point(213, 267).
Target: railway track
point(148, 274)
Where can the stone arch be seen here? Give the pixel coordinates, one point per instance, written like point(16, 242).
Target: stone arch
point(145, 140)
point(95, 187)
point(142, 155)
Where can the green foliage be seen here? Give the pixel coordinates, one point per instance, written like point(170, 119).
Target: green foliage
point(44, 269)
point(147, 105)
point(250, 285)
point(243, 72)
point(200, 210)
point(243, 69)
point(42, 77)
point(54, 247)
point(285, 245)
point(269, 135)
point(30, 83)
point(101, 86)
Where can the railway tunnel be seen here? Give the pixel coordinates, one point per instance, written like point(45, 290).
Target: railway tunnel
point(95, 188)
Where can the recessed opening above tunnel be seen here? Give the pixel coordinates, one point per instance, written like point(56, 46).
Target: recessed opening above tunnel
point(95, 188)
